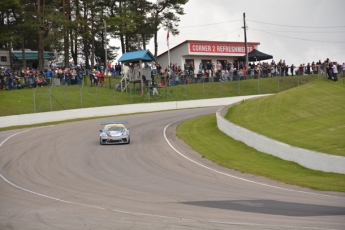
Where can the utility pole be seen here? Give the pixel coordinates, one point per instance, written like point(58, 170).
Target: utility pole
point(245, 39)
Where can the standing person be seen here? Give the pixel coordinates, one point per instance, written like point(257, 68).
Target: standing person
point(49, 76)
point(191, 70)
point(67, 76)
point(159, 69)
point(209, 70)
point(219, 67)
point(79, 75)
point(125, 71)
point(100, 78)
point(335, 71)
point(92, 77)
point(329, 70)
point(283, 66)
point(300, 69)
point(108, 68)
point(315, 68)
point(208, 67)
point(118, 69)
point(231, 73)
point(72, 65)
point(308, 68)
point(61, 76)
point(113, 71)
point(292, 67)
point(279, 67)
point(343, 69)
point(73, 76)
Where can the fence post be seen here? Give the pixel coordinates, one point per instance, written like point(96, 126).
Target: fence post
point(97, 95)
point(64, 95)
point(221, 92)
point(203, 88)
point(279, 83)
point(50, 97)
point(114, 91)
point(35, 100)
point(239, 86)
point(81, 96)
point(258, 83)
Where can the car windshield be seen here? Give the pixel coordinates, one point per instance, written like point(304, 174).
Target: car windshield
point(114, 128)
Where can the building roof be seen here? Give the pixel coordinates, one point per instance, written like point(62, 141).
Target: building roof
point(135, 56)
point(212, 42)
point(31, 55)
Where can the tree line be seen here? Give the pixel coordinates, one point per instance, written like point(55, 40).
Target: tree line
point(80, 29)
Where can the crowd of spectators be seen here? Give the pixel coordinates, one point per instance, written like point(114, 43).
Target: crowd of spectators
point(238, 70)
point(209, 71)
point(229, 71)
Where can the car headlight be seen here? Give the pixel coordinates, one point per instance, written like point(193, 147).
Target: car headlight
point(103, 135)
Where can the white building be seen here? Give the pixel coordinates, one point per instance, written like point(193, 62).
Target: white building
point(196, 51)
point(17, 56)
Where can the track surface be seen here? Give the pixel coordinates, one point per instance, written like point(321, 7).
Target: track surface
point(59, 177)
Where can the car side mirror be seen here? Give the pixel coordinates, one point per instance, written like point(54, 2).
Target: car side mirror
point(100, 130)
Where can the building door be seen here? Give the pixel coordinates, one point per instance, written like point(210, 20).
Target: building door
point(223, 62)
point(188, 63)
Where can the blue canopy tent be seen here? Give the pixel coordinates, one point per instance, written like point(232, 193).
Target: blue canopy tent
point(137, 56)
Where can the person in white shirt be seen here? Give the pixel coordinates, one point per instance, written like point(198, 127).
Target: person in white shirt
point(335, 71)
point(125, 71)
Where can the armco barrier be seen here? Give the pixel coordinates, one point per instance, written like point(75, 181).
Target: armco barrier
point(307, 158)
point(37, 118)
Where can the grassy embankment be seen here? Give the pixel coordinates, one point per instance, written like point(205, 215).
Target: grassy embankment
point(310, 116)
point(74, 97)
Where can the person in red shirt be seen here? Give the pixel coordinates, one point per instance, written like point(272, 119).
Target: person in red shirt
point(100, 78)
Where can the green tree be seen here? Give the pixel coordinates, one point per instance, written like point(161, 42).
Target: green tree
point(165, 14)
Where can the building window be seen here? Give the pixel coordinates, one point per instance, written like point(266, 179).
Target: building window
point(3, 59)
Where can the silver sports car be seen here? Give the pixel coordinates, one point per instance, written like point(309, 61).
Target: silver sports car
point(114, 133)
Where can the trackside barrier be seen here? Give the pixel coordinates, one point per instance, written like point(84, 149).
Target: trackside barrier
point(307, 158)
point(44, 117)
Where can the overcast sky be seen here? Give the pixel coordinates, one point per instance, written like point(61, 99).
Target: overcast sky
point(297, 31)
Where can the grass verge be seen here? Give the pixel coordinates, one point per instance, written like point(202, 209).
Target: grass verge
point(26, 101)
point(227, 152)
point(310, 116)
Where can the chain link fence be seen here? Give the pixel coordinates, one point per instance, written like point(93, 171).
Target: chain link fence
point(59, 96)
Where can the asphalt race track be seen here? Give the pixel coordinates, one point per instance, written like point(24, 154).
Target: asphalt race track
point(60, 177)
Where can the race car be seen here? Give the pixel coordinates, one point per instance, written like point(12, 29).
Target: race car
point(114, 133)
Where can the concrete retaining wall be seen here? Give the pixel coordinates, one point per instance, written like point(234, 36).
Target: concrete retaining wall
point(37, 118)
point(307, 158)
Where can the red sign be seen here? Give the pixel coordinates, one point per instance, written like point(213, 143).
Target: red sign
point(218, 48)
